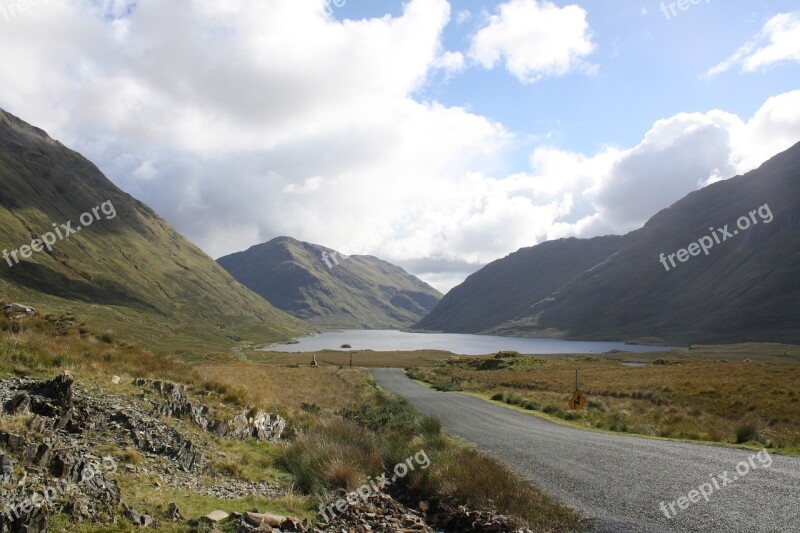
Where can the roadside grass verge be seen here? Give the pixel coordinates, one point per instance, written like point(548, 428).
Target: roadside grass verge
point(753, 403)
point(341, 430)
point(371, 439)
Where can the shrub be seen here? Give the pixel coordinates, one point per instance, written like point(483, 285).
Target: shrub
point(747, 433)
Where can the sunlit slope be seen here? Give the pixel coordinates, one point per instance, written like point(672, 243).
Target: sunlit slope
point(130, 272)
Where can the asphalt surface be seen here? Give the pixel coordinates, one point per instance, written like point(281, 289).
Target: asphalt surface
point(619, 480)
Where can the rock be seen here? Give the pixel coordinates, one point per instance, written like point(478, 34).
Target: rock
point(6, 465)
point(15, 309)
point(173, 513)
point(258, 519)
point(255, 521)
point(35, 520)
point(176, 403)
point(116, 380)
point(60, 389)
point(215, 516)
point(263, 426)
point(18, 404)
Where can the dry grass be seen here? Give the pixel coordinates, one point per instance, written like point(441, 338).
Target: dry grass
point(699, 400)
point(342, 431)
point(288, 387)
point(361, 358)
point(342, 453)
point(38, 354)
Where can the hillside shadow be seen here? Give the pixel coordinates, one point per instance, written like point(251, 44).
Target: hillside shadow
point(48, 281)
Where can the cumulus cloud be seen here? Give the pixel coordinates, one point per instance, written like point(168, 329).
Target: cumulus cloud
point(243, 120)
point(777, 42)
point(534, 39)
point(451, 63)
point(622, 189)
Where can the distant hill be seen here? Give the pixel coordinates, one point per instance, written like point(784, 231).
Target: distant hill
point(129, 272)
point(328, 291)
point(746, 289)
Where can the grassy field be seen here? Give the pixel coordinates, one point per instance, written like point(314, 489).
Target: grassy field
point(744, 394)
point(360, 358)
point(341, 430)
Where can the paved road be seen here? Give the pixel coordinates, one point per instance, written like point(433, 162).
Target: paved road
point(621, 480)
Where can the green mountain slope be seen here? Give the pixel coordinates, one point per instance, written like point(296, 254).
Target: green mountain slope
point(356, 292)
point(130, 272)
point(746, 289)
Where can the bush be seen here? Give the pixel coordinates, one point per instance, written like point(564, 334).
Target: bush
point(747, 433)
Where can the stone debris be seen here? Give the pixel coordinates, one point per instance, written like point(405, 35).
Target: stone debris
point(65, 423)
point(58, 472)
point(380, 513)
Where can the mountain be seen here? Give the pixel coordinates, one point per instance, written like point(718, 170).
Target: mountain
point(126, 269)
point(331, 291)
point(746, 288)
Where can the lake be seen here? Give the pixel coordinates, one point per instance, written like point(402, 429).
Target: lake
point(390, 340)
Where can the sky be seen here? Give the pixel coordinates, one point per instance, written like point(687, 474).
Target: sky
point(436, 135)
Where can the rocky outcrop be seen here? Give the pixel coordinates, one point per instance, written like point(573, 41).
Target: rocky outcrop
point(54, 472)
point(174, 402)
point(262, 426)
point(14, 310)
point(50, 467)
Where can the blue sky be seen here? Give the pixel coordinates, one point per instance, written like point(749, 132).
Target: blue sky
point(434, 134)
point(651, 67)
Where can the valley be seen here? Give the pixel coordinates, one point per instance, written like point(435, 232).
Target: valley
point(422, 266)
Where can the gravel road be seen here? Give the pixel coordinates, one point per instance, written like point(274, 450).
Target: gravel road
point(620, 480)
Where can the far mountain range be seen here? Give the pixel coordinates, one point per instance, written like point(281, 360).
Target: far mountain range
point(745, 288)
point(692, 274)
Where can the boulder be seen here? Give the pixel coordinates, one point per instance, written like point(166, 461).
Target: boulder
point(16, 309)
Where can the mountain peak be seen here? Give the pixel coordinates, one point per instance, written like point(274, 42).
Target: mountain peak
point(327, 289)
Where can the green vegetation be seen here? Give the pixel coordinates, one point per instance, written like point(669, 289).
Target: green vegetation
point(129, 273)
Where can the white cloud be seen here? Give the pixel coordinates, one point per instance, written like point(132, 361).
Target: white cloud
point(534, 39)
point(451, 63)
point(774, 128)
point(619, 190)
point(243, 120)
point(778, 41)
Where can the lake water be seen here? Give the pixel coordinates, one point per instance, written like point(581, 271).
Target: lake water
point(389, 340)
